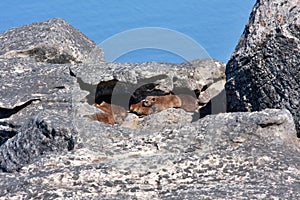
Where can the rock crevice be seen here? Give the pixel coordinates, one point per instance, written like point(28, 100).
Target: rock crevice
point(54, 77)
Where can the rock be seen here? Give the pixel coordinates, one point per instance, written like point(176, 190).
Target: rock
point(236, 155)
point(194, 75)
point(264, 70)
point(39, 87)
point(35, 111)
point(24, 81)
point(52, 150)
point(53, 41)
point(36, 103)
point(165, 118)
point(124, 84)
point(42, 134)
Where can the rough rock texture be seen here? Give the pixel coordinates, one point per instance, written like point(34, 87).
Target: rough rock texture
point(226, 156)
point(54, 41)
point(264, 71)
point(191, 75)
point(52, 151)
point(36, 101)
point(36, 97)
point(122, 84)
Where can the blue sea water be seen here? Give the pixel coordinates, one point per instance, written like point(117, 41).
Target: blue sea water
point(215, 24)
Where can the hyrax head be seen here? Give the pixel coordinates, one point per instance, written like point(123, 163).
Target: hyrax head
point(149, 101)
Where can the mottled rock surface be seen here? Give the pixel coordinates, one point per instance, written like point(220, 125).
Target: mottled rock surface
point(49, 149)
point(122, 84)
point(53, 41)
point(35, 110)
point(264, 70)
point(226, 156)
point(36, 89)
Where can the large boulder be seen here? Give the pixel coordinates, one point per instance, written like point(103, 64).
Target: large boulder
point(36, 89)
point(127, 83)
point(51, 149)
point(53, 41)
point(264, 70)
point(240, 155)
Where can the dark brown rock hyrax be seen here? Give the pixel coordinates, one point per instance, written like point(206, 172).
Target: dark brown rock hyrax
point(111, 114)
point(153, 104)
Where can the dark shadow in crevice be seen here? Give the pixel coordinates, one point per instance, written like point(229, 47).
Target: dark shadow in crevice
point(5, 135)
point(104, 91)
point(9, 133)
point(123, 94)
point(90, 98)
point(7, 112)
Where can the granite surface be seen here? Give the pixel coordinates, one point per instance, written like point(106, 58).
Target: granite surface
point(49, 149)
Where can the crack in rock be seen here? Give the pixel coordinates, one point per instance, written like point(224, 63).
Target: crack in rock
point(7, 112)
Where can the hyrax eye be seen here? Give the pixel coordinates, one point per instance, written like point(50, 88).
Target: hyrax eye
point(145, 102)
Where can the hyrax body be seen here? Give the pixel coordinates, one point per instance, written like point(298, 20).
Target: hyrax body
point(153, 104)
point(111, 114)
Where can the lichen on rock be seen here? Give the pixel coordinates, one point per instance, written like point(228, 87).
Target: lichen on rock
point(51, 149)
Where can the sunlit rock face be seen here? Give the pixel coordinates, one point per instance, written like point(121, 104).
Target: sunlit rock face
point(51, 148)
point(264, 70)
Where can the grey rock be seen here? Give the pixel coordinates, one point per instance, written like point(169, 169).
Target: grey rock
point(166, 118)
point(264, 70)
point(192, 75)
point(53, 41)
point(122, 84)
point(42, 134)
point(52, 150)
point(23, 81)
point(36, 89)
point(35, 111)
point(232, 155)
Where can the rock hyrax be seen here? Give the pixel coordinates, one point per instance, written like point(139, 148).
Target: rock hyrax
point(189, 103)
point(153, 104)
point(111, 111)
point(141, 109)
point(103, 117)
point(159, 103)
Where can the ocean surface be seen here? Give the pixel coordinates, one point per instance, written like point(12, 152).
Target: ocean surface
point(215, 25)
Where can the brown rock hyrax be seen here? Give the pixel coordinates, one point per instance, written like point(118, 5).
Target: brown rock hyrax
point(153, 104)
point(111, 113)
point(159, 103)
point(141, 109)
point(103, 117)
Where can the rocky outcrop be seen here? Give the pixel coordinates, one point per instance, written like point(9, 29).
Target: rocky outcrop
point(123, 84)
point(36, 89)
point(47, 72)
point(240, 155)
point(264, 70)
point(54, 41)
point(51, 149)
